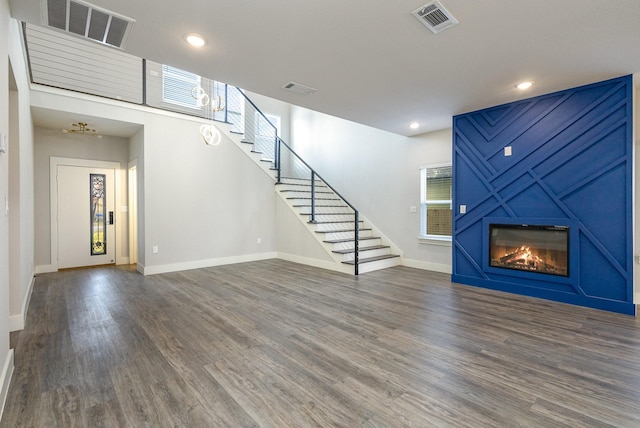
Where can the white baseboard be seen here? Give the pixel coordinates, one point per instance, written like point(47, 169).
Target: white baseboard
point(198, 264)
point(323, 264)
point(16, 322)
point(636, 298)
point(5, 380)
point(419, 264)
point(46, 269)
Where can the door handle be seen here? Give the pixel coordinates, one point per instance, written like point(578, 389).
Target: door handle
point(110, 217)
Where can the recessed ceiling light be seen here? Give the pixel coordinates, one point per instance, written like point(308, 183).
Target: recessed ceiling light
point(414, 125)
point(525, 85)
point(195, 40)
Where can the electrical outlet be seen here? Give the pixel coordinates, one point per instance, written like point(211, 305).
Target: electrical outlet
point(413, 209)
point(463, 209)
point(154, 249)
point(507, 151)
point(259, 240)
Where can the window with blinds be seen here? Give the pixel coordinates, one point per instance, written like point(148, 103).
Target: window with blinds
point(435, 202)
point(177, 87)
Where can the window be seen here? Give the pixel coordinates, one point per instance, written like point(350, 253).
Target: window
point(177, 86)
point(235, 109)
point(435, 202)
point(264, 130)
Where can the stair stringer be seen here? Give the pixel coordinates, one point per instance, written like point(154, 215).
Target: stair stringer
point(308, 249)
point(338, 264)
point(237, 140)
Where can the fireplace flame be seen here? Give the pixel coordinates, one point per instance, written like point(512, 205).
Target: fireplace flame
point(524, 258)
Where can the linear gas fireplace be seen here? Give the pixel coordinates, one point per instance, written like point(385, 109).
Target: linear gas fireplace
point(530, 248)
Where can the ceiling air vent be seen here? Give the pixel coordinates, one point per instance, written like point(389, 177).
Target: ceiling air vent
point(298, 88)
point(88, 21)
point(435, 16)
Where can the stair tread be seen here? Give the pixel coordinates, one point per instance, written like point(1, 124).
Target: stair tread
point(336, 221)
point(341, 241)
point(317, 199)
point(299, 178)
point(361, 249)
point(298, 184)
point(371, 259)
point(341, 230)
point(328, 214)
point(319, 206)
point(303, 191)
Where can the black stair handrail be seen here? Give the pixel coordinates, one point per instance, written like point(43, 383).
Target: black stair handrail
point(278, 143)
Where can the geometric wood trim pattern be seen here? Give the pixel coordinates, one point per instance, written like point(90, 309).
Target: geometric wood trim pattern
point(571, 158)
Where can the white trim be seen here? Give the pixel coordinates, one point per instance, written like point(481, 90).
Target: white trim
point(436, 165)
point(419, 264)
point(637, 299)
point(54, 162)
point(444, 241)
point(132, 209)
point(46, 269)
point(16, 322)
point(329, 265)
point(198, 264)
point(5, 380)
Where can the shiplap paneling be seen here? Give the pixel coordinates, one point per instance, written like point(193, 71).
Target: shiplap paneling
point(67, 62)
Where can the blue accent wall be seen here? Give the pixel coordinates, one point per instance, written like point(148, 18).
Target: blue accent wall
point(571, 163)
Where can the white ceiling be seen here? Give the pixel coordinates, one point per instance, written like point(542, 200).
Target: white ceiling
point(372, 62)
point(59, 120)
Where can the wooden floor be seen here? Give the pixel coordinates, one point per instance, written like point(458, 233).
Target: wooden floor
point(276, 344)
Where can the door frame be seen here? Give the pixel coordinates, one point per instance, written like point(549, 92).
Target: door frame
point(54, 162)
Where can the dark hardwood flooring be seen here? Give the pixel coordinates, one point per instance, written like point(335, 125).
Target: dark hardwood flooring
point(276, 344)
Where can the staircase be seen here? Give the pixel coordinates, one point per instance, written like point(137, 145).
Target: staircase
point(330, 219)
point(333, 224)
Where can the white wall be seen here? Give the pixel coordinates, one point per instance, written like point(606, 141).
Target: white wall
point(136, 154)
point(199, 205)
point(378, 172)
point(204, 205)
point(21, 197)
point(295, 241)
point(6, 356)
point(53, 143)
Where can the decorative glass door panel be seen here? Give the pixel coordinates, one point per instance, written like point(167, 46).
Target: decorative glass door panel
point(98, 215)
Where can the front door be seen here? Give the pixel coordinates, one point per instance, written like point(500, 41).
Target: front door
point(86, 231)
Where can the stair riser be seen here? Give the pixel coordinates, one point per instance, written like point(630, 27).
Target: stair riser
point(364, 254)
point(331, 217)
point(378, 264)
point(322, 227)
point(331, 236)
point(363, 244)
point(302, 187)
point(321, 210)
point(294, 194)
point(320, 201)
